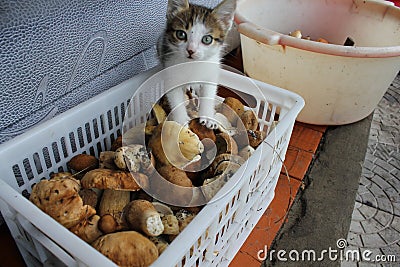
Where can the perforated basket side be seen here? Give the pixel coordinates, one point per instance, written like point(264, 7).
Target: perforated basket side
point(215, 234)
point(34, 246)
point(90, 128)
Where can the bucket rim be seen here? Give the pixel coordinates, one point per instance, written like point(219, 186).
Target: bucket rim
point(270, 37)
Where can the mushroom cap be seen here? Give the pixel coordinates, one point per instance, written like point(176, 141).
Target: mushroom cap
point(172, 185)
point(249, 120)
point(226, 144)
point(255, 138)
point(213, 185)
point(83, 162)
point(127, 248)
point(60, 199)
point(175, 176)
point(88, 229)
point(107, 224)
point(160, 243)
point(171, 224)
point(201, 130)
point(229, 162)
point(172, 143)
point(232, 108)
point(113, 179)
point(134, 158)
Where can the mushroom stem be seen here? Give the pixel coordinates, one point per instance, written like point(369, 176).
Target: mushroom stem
point(113, 203)
point(141, 215)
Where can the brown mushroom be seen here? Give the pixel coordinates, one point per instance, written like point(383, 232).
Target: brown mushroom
point(82, 163)
point(160, 243)
point(59, 198)
point(88, 229)
point(296, 34)
point(127, 249)
point(168, 182)
point(159, 113)
point(212, 185)
point(225, 163)
point(107, 224)
point(113, 203)
point(171, 224)
point(117, 143)
point(106, 160)
point(249, 120)
point(255, 138)
point(201, 130)
point(232, 108)
point(184, 217)
point(142, 216)
point(113, 179)
point(241, 138)
point(246, 152)
point(226, 167)
point(175, 176)
point(61, 175)
point(89, 197)
point(322, 40)
point(226, 144)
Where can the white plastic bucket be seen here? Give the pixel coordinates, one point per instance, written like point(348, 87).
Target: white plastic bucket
point(340, 84)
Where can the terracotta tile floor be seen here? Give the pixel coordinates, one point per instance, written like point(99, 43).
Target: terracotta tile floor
point(302, 148)
point(303, 145)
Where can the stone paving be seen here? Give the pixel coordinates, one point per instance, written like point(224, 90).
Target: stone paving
point(375, 225)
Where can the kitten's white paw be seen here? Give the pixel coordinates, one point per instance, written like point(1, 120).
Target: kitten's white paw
point(182, 119)
point(209, 123)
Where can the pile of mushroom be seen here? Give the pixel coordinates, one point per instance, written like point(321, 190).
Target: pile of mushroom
point(298, 34)
point(104, 201)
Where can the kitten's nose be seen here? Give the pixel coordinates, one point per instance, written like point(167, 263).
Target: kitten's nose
point(190, 52)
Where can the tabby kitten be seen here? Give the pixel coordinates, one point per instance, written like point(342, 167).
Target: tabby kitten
point(195, 33)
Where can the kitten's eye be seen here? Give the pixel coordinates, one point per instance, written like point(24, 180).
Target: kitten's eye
point(181, 35)
point(207, 39)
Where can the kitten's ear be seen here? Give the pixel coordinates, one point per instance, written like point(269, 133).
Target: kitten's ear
point(225, 11)
point(174, 6)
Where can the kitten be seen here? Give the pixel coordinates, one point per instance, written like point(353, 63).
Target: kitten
point(195, 33)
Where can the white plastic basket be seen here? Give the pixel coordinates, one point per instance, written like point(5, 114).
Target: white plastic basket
point(211, 239)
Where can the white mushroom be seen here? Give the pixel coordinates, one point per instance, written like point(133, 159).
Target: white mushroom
point(296, 34)
point(172, 143)
point(133, 157)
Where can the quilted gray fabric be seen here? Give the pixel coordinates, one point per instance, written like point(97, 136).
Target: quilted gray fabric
point(55, 54)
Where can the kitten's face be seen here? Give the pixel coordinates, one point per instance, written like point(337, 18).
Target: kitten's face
point(194, 32)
